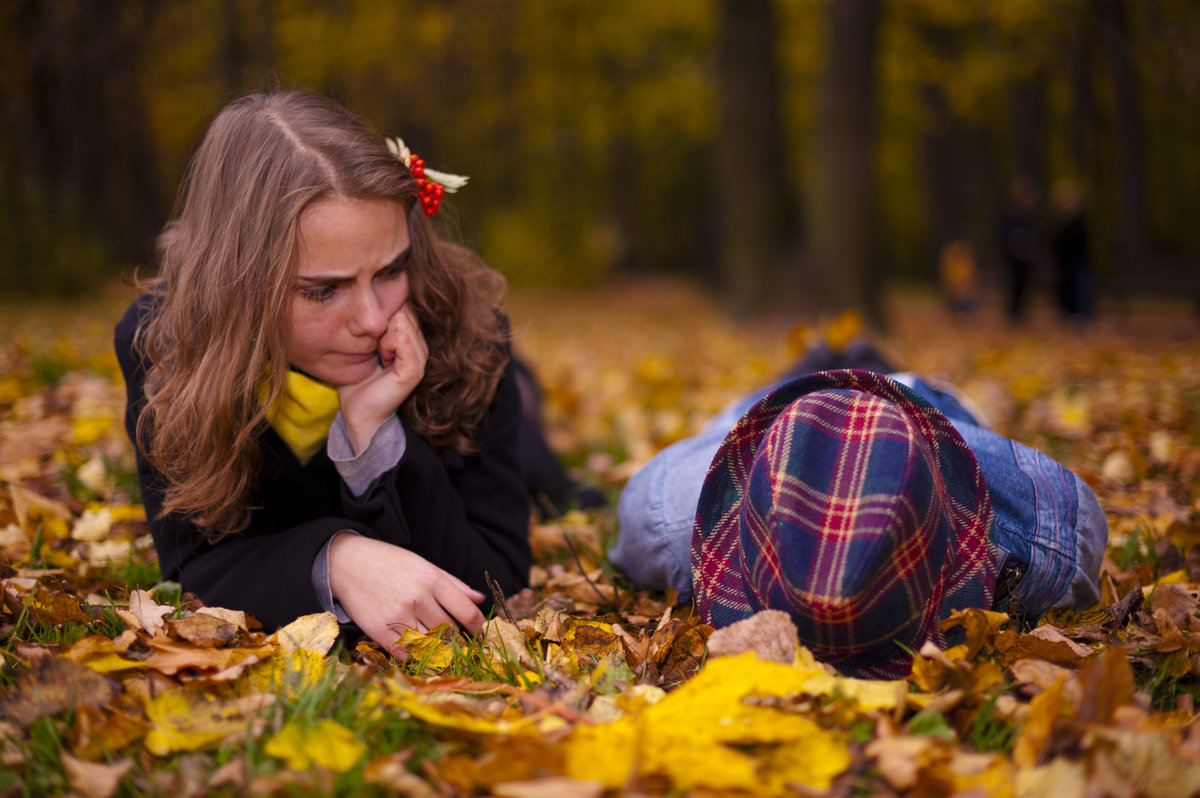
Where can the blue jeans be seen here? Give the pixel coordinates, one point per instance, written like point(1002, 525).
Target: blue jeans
point(1049, 530)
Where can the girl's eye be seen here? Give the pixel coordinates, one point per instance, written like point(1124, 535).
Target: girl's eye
point(318, 293)
point(395, 270)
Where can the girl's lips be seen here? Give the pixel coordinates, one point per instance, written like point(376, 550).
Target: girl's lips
point(359, 357)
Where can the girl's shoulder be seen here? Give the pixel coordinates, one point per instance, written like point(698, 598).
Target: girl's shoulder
point(125, 332)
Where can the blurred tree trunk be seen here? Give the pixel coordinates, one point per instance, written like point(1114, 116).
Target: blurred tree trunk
point(752, 178)
point(79, 188)
point(841, 261)
point(1132, 223)
point(248, 55)
point(1027, 103)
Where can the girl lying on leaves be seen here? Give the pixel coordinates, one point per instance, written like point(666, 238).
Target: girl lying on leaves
point(319, 389)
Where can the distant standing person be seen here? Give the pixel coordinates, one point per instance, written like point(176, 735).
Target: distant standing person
point(1070, 247)
point(1019, 242)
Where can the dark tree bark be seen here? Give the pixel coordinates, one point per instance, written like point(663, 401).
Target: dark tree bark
point(1027, 104)
point(78, 161)
point(751, 173)
point(1132, 221)
point(841, 262)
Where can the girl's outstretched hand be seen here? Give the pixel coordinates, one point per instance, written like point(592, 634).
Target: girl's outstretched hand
point(403, 354)
point(386, 589)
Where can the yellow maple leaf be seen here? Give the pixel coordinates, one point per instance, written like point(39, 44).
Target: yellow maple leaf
point(325, 743)
point(708, 735)
point(316, 633)
point(183, 721)
point(289, 673)
point(429, 647)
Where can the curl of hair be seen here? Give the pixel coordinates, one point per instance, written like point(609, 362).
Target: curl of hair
point(227, 263)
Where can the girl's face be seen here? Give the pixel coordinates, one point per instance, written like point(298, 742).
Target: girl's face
point(352, 277)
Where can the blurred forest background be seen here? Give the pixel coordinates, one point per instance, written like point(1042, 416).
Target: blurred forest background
point(797, 152)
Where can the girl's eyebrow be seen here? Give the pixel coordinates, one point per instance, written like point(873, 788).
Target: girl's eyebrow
point(333, 279)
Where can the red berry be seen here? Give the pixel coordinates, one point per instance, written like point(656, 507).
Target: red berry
point(438, 190)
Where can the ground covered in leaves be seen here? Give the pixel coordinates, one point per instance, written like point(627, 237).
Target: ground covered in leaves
point(114, 682)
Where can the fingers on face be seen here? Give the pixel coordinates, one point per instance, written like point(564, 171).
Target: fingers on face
point(404, 339)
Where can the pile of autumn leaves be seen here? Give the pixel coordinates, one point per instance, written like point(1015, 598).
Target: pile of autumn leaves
point(585, 685)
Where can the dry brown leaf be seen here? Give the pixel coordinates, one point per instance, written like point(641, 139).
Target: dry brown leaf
point(1038, 673)
point(51, 685)
point(392, 774)
point(1045, 713)
point(95, 779)
point(148, 612)
point(549, 787)
point(205, 631)
point(172, 656)
point(899, 759)
point(99, 732)
point(770, 634)
point(232, 773)
point(508, 641)
point(1107, 682)
point(235, 617)
point(1047, 642)
point(1176, 602)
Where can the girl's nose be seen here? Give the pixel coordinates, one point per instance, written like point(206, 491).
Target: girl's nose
point(369, 317)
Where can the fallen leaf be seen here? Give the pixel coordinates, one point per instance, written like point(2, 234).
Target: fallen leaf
point(97, 733)
point(390, 773)
point(706, 736)
point(1107, 684)
point(235, 617)
point(324, 743)
point(1044, 713)
point(899, 759)
point(94, 779)
point(51, 685)
point(184, 721)
point(147, 611)
point(1176, 601)
point(93, 525)
point(429, 648)
point(316, 633)
point(549, 787)
point(1047, 642)
point(770, 634)
point(204, 631)
point(172, 656)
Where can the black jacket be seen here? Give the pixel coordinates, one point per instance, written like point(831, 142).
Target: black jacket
point(468, 515)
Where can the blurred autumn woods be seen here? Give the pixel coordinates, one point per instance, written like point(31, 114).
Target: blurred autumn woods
point(800, 151)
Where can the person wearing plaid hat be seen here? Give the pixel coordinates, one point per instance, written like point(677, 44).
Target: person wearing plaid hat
point(868, 507)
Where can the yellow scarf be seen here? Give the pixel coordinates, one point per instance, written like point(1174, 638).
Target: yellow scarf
point(303, 415)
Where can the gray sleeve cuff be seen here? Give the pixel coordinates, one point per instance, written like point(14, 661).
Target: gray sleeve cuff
point(320, 579)
point(383, 451)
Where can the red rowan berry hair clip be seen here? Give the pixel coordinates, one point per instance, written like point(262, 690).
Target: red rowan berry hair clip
point(431, 184)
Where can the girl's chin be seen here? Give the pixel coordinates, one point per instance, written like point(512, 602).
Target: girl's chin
point(347, 374)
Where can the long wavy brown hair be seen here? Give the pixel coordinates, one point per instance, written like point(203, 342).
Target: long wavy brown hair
point(227, 264)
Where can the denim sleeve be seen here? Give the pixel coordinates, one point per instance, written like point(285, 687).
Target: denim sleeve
point(1046, 517)
point(657, 509)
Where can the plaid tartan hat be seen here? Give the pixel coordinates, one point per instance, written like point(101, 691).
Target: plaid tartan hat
point(846, 500)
